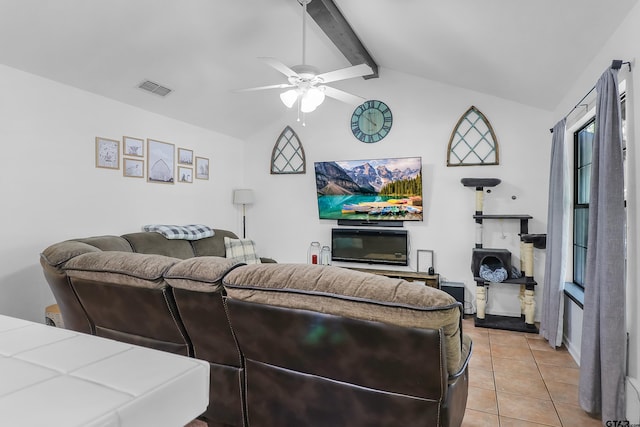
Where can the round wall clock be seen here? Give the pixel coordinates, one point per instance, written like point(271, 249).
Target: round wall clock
point(371, 121)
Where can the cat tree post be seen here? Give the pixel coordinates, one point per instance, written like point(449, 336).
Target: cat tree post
point(480, 184)
point(530, 241)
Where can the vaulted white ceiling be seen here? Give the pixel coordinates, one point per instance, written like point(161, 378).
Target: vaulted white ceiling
point(527, 52)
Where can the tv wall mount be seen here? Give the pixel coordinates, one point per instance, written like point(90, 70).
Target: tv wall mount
point(366, 223)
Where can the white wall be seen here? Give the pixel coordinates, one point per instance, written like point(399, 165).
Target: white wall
point(51, 190)
point(572, 328)
point(622, 45)
point(284, 219)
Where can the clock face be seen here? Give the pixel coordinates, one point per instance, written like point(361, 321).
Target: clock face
point(371, 121)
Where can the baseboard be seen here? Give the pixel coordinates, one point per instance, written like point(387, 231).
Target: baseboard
point(633, 400)
point(573, 351)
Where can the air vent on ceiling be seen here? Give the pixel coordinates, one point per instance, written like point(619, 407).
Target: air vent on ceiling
point(154, 88)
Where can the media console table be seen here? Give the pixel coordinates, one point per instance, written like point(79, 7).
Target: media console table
point(57, 377)
point(432, 280)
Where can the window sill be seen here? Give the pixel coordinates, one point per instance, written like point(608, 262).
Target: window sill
point(575, 293)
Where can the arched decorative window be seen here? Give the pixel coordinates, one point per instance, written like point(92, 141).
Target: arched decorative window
point(472, 141)
point(288, 155)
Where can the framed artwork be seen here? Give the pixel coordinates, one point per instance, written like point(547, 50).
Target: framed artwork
point(132, 146)
point(161, 161)
point(107, 153)
point(202, 168)
point(185, 174)
point(473, 141)
point(185, 157)
point(133, 168)
point(426, 261)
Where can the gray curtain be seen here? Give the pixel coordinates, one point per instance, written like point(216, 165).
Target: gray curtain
point(603, 350)
point(556, 251)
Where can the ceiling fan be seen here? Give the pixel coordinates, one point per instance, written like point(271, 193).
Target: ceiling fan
point(307, 85)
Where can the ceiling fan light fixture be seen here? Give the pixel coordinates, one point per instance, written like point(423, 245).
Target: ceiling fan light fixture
point(311, 99)
point(316, 95)
point(307, 83)
point(289, 97)
point(306, 106)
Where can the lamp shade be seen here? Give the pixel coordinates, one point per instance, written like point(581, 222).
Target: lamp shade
point(311, 99)
point(289, 97)
point(242, 196)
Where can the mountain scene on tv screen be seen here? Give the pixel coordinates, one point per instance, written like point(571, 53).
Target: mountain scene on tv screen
point(384, 189)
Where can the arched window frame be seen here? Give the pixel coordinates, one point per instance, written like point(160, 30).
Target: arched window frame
point(296, 163)
point(454, 160)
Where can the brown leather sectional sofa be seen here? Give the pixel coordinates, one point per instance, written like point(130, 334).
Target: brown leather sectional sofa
point(288, 344)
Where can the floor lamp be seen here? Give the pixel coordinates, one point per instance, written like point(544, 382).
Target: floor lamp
point(243, 197)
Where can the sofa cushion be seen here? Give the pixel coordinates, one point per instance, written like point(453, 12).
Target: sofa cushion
point(212, 246)
point(203, 274)
point(241, 251)
point(59, 253)
point(107, 243)
point(353, 294)
point(155, 243)
point(121, 268)
point(181, 232)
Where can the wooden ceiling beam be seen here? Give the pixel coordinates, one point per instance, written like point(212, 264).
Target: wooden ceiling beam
point(335, 26)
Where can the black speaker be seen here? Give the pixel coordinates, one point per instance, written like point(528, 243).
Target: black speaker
point(454, 289)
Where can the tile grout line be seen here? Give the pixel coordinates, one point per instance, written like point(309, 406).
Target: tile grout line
point(493, 375)
point(545, 384)
point(537, 364)
point(544, 359)
point(539, 372)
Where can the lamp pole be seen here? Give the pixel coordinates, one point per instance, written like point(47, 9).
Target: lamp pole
point(244, 221)
point(243, 197)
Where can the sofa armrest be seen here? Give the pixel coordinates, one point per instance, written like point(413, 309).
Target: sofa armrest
point(453, 407)
point(58, 254)
point(465, 356)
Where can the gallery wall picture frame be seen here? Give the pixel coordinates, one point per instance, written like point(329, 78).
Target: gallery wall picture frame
point(185, 174)
point(161, 162)
point(132, 168)
point(185, 156)
point(107, 153)
point(202, 168)
point(426, 259)
point(132, 146)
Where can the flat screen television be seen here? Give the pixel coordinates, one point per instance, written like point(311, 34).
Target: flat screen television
point(370, 246)
point(370, 190)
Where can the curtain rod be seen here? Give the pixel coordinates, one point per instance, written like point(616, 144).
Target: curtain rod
point(616, 64)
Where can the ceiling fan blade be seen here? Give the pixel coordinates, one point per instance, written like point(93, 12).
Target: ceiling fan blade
point(273, 62)
point(343, 96)
point(346, 73)
point(279, 86)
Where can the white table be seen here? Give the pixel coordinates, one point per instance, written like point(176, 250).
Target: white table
point(56, 377)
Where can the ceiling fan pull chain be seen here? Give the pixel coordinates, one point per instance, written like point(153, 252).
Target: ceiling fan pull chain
point(304, 123)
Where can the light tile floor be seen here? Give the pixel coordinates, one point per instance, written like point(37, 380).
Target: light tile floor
point(518, 380)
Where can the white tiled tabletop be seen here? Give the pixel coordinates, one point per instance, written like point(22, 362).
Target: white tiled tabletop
point(56, 377)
